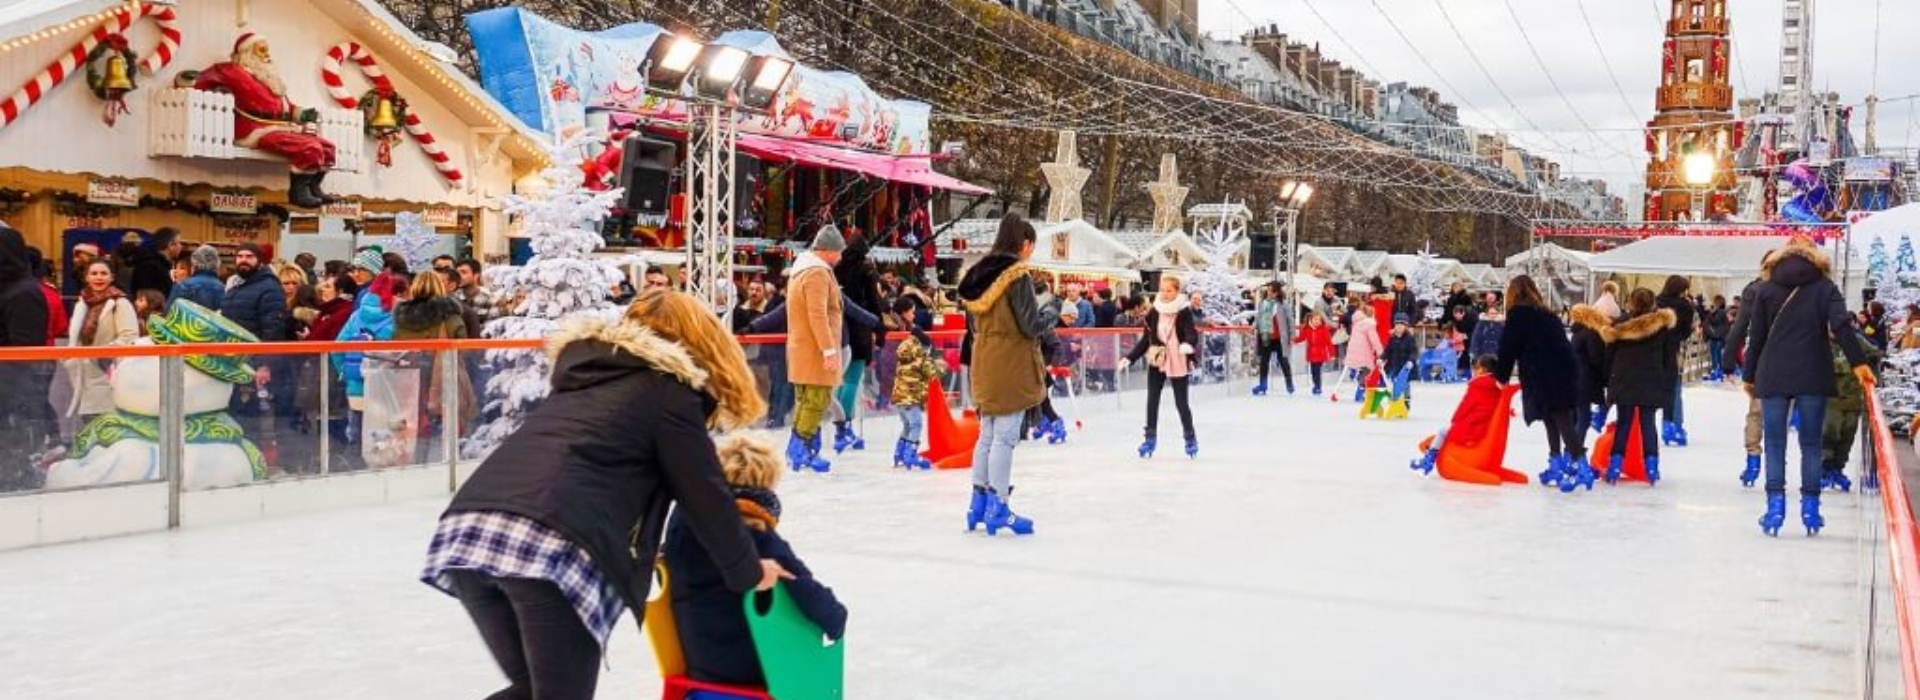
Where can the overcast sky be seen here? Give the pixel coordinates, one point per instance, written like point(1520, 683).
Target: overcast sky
point(1630, 33)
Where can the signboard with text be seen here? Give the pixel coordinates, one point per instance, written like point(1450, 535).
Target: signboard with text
point(119, 193)
point(342, 209)
point(234, 203)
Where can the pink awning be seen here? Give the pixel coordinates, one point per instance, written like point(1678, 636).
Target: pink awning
point(912, 170)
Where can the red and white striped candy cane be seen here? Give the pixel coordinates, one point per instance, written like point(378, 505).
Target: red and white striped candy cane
point(74, 59)
point(330, 68)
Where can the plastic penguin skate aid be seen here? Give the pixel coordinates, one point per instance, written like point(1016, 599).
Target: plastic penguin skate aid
point(799, 662)
point(1478, 462)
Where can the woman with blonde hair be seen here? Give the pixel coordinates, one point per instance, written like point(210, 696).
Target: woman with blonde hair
point(557, 530)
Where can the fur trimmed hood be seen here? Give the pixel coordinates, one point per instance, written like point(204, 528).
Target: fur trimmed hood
point(1792, 264)
point(1640, 327)
point(631, 348)
point(1590, 316)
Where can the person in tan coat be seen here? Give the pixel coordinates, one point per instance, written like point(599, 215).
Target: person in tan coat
point(814, 310)
point(1004, 326)
point(102, 316)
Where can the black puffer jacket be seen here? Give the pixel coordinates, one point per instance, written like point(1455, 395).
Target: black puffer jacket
point(1640, 369)
point(1535, 340)
point(1737, 333)
point(1590, 353)
point(1793, 311)
point(259, 306)
point(622, 436)
point(1683, 322)
point(859, 285)
point(23, 323)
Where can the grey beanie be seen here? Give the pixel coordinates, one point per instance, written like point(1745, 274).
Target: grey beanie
point(829, 240)
point(206, 258)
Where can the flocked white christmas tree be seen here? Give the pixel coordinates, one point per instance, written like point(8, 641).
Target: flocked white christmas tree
point(1221, 283)
point(1903, 260)
point(414, 240)
point(1877, 263)
point(562, 279)
point(1424, 282)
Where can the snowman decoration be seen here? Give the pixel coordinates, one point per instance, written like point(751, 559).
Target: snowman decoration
point(124, 445)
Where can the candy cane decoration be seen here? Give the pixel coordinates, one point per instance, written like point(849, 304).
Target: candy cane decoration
point(337, 89)
point(71, 61)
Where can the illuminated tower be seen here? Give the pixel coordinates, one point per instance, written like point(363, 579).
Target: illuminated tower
point(1694, 104)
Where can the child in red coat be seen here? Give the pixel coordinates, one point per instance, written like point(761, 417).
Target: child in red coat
point(1319, 339)
point(1471, 418)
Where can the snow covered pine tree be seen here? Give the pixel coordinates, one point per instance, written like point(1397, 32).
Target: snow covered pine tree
point(562, 279)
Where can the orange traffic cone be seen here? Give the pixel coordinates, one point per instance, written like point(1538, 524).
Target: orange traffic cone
point(949, 440)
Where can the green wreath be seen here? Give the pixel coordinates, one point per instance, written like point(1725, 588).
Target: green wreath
point(371, 101)
point(96, 81)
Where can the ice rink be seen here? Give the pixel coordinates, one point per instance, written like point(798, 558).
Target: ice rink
point(1297, 557)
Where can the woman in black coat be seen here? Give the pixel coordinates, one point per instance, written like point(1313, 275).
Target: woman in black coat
point(1673, 297)
point(1794, 312)
point(1535, 340)
point(558, 529)
point(1639, 366)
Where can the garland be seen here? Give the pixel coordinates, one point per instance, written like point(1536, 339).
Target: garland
point(115, 97)
point(385, 135)
point(64, 67)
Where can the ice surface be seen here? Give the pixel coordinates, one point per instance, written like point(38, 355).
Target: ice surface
point(1298, 557)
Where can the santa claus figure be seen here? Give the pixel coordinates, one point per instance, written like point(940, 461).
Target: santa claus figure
point(266, 120)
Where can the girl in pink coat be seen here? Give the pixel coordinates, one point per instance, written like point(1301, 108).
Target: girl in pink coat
point(1363, 349)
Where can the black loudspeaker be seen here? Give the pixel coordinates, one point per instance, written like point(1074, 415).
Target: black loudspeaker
point(749, 178)
point(1265, 249)
point(646, 171)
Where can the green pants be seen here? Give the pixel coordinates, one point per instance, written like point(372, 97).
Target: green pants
point(1836, 436)
point(810, 404)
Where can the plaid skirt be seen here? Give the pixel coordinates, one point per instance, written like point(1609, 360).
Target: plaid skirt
point(504, 545)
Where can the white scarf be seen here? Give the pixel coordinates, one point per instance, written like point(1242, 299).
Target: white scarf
point(1168, 308)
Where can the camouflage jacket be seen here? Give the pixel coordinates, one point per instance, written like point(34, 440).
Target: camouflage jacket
point(914, 371)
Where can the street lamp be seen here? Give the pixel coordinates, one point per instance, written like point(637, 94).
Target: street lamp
point(1293, 198)
point(1699, 169)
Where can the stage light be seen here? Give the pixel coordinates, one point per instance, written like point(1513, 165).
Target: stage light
point(765, 76)
point(669, 61)
point(720, 69)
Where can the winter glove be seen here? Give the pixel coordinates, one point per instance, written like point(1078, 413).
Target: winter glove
point(1186, 349)
point(1865, 375)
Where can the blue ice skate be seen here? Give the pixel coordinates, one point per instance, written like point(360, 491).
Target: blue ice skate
point(1653, 470)
point(1146, 448)
point(1679, 435)
point(803, 453)
point(977, 508)
point(1810, 515)
point(1833, 478)
point(1316, 391)
point(844, 438)
point(1600, 421)
point(1752, 472)
point(815, 461)
point(1424, 464)
point(1260, 389)
point(1056, 431)
point(1613, 469)
point(1556, 473)
point(1870, 481)
point(1001, 517)
point(1776, 514)
point(1193, 447)
point(903, 454)
point(1579, 473)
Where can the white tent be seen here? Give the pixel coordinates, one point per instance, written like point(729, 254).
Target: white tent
point(1561, 272)
point(1716, 265)
point(1889, 224)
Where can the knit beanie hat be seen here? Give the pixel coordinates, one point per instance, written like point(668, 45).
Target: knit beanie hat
point(254, 248)
point(829, 240)
point(206, 258)
point(369, 260)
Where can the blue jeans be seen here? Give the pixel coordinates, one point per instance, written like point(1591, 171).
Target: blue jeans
point(1716, 349)
point(912, 419)
point(1676, 414)
point(1773, 425)
point(993, 453)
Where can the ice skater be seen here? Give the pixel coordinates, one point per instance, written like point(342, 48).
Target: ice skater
point(1318, 337)
point(1638, 370)
point(1535, 341)
point(1364, 347)
point(1789, 366)
point(1004, 325)
point(814, 330)
point(1273, 334)
point(553, 536)
point(1844, 414)
point(914, 372)
point(1168, 348)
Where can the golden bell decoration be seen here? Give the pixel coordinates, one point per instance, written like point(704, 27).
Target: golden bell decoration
point(383, 117)
point(117, 75)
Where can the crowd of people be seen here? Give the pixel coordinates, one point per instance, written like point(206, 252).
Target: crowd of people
point(373, 296)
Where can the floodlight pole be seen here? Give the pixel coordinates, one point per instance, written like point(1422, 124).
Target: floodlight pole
point(712, 142)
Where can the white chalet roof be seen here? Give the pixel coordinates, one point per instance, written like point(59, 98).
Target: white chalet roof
point(1218, 210)
point(1335, 259)
point(1367, 263)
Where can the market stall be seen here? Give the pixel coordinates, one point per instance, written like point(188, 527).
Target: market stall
point(1561, 272)
point(130, 116)
point(1715, 264)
